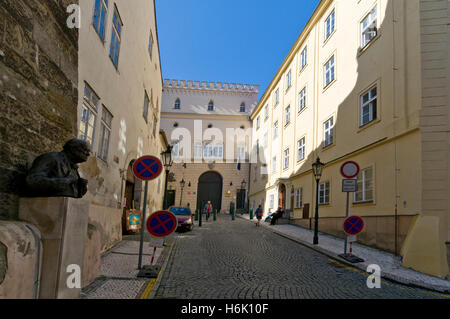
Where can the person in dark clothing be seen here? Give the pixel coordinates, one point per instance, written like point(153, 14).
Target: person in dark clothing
point(275, 216)
point(259, 214)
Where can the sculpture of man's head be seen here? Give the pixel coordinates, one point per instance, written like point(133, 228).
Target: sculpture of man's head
point(77, 150)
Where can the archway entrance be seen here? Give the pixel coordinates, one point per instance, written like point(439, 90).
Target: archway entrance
point(282, 196)
point(210, 189)
point(132, 196)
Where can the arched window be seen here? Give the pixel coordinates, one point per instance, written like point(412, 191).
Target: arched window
point(242, 110)
point(211, 105)
point(177, 104)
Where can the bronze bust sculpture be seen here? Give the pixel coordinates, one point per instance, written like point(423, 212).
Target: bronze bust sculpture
point(56, 174)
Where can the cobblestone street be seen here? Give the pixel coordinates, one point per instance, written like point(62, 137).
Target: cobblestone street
point(236, 260)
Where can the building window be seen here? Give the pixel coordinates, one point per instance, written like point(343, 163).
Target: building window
point(177, 104)
point(324, 193)
point(266, 112)
point(304, 57)
point(114, 50)
point(241, 153)
point(258, 123)
point(298, 198)
point(369, 28)
point(257, 148)
point(365, 186)
point(99, 19)
point(275, 130)
point(271, 201)
point(150, 45)
point(105, 134)
point(176, 150)
point(146, 104)
point(277, 97)
point(255, 173)
point(287, 115)
point(301, 150)
point(288, 80)
point(274, 164)
point(211, 106)
point(328, 135)
point(286, 159)
point(218, 151)
point(302, 99)
point(329, 71)
point(265, 140)
point(198, 149)
point(329, 25)
point(242, 109)
point(155, 125)
point(369, 106)
point(88, 116)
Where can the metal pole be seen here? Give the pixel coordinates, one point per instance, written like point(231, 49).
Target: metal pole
point(200, 218)
point(165, 191)
point(141, 245)
point(316, 225)
point(346, 215)
point(181, 197)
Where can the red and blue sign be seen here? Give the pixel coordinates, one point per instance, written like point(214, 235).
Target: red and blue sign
point(147, 168)
point(353, 225)
point(162, 223)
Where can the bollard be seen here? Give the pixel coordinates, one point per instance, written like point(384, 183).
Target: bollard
point(251, 213)
point(215, 215)
point(233, 214)
point(196, 215)
point(200, 219)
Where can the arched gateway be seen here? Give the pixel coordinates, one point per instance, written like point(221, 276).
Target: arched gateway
point(210, 187)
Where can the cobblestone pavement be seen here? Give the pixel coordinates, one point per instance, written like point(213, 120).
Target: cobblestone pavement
point(236, 260)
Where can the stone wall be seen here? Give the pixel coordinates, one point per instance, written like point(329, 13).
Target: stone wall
point(38, 88)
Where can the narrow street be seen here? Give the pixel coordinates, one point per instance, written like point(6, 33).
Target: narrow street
point(234, 259)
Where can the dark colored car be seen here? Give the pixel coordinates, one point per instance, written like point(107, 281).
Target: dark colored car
point(184, 217)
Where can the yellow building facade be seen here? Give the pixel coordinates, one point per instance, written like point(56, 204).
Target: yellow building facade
point(366, 81)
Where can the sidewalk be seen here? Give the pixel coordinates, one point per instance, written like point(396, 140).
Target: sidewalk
point(119, 269)
point(390, 265)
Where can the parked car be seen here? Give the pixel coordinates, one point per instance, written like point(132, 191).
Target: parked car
point(184, 216)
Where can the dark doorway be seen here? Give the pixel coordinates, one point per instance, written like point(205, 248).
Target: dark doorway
point(282, 197)
point(210, 189)
point(240, 199)
point(170, 198)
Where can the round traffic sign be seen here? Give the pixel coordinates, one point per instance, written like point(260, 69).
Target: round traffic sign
point(147, 168)
point(162, 223)
point(353, 225)
point(350, 169)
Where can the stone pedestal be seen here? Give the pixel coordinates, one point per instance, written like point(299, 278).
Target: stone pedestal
point(63, 224)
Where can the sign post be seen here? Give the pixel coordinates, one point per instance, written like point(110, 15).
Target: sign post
point(146, 168)
point(353, 225)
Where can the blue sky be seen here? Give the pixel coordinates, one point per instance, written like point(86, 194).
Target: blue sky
point(234, 41)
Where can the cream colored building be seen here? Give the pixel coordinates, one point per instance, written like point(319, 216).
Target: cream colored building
point(120, 87)
point(365, 81)
point(208, 125)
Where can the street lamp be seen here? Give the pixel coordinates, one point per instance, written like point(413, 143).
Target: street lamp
point(167, 162)
point(182, 184)
point(317, 170)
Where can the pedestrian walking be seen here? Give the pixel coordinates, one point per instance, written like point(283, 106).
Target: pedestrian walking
point(208, 209)
point(259, 215)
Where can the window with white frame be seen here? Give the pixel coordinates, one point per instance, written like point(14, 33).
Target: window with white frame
point(369, 28)
point(330, 24)
point(198, 150)
point(211, 106)
point(277, 97)
point(265, 140)
point(146, 104)
point(304, 57)
point(208, 151)
point(258, 123)
point(176, 149)
point(257, 148)
point(275, 130)
point(364, 192)
point(105, 134)
point(286, 159)
point(329, 72)
point(298, 198)
point(324, 193)
point(114, 50)
point(271, 201)
point(266, 112)
point(274, 164)
point(288, 80)
point(302, 99)
point(301, 150)
point(177, 104)
point(328, 132)
point(242, 108)
point(255, 173)
point(218, 150)
point(99, 18)
point(287, 115)
point(241, 153)
point(369, 106)
point(88, 117)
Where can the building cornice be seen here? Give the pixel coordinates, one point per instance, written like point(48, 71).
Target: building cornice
point(206, 86)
